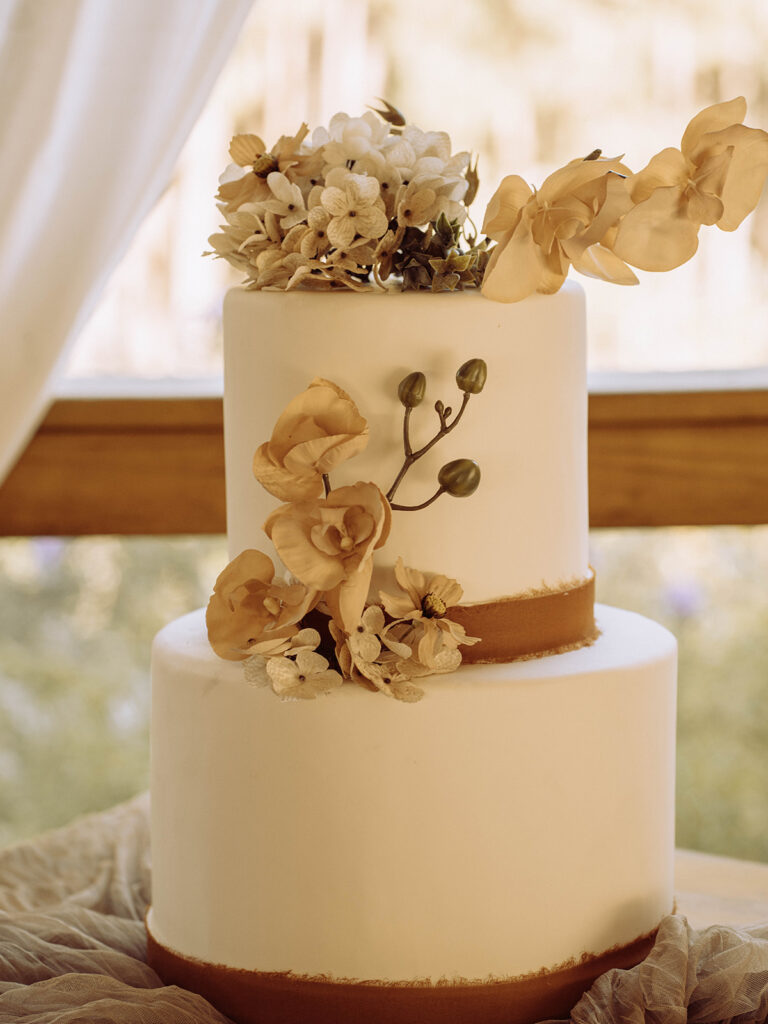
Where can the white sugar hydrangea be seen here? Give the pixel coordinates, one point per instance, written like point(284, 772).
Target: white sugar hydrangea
point(366, 199)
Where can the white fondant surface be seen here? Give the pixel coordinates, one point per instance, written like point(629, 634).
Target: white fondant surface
point(526, 525)
point(516, 817)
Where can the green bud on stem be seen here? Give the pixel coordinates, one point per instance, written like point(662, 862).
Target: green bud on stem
point(412, 389)
point(471, 376)
point(460, 477)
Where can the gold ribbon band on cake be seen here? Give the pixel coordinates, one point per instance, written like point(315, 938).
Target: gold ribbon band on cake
point(531, 625)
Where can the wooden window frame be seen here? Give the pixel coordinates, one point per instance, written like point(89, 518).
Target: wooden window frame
point(139, 458)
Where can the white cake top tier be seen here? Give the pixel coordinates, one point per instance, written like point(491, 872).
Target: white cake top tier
point(526, 525)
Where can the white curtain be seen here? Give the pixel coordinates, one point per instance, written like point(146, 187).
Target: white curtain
point(96, 99)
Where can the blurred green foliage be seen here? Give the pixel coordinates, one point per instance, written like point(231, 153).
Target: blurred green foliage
point(76, 625)
point(709, 586)
point(77, 620)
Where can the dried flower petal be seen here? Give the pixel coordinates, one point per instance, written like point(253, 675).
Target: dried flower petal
point(422, 623)
point(303, 679)
point(541, 234)
point(657, 234)
point(319, 429)
point(244, 149)
point(716, 177)
point(504, 208)
point(249, 604)
point(331, 541)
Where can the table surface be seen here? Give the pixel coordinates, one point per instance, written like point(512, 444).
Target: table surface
point(720, 890)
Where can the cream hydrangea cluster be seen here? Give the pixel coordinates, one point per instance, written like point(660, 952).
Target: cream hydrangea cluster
point(361, 199)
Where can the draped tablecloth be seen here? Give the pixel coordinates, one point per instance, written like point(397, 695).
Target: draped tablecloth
point(72, 945)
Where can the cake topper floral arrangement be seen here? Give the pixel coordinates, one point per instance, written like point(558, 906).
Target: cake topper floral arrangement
point(326, 537)
point(372, 198)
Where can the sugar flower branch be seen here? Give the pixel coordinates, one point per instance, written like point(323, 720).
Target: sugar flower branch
point(327, 544)
point(462, 476)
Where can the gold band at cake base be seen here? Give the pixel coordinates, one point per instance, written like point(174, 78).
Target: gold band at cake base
point(252, 997)
point(529, 626)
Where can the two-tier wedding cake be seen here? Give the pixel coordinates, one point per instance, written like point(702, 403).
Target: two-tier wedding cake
point(418, 775)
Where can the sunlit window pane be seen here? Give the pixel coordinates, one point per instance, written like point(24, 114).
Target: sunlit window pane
point(527, 86)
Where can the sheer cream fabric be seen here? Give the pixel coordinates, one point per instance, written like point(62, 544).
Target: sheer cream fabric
point(716, 976)
point(96, 99)
point(72, 942)
point(72, 945)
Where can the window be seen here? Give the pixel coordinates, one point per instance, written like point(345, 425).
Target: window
point(528, 86)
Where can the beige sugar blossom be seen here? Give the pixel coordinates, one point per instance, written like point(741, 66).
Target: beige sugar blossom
point(364, 641)
point(314, 241)
point(304, 678)
point(285, 201)
point(305, 272)
point(249, 151)
point(429, 144)
point(415, 204)
point(292, 240)
point(230, 247)
point(356, 258)
point(237, 187)
point(421, 614)
point(716, 177)
point(375, 165)
point(270, 270)
point(275, 268)
point(371, 640)
point(329, 543)
point(306, 639)
point(244, 240)
point(347, 139)
point(371, 658)
point(540, 234)
point(391, 681)
point(421, 596)
point(248, 605)
point(434, 651)
point(423, 159)
point(357, 210)
point(317, 430)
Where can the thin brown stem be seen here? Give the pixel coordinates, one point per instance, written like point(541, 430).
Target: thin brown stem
point(411, 456)
point(407, 432)
point(445, 427)
point(326, 484)
point(409, 460)
point(408, 452)
point(415, 508)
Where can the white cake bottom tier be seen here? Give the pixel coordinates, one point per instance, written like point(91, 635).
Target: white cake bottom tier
point(519, 816)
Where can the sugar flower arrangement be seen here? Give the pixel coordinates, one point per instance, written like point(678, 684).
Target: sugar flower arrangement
point(366, 198)
point(372, 197)
point(326, 537)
